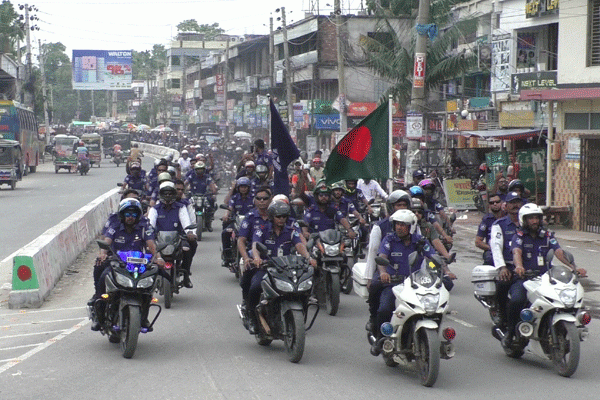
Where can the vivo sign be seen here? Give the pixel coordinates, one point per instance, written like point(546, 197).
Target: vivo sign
point(329, 122)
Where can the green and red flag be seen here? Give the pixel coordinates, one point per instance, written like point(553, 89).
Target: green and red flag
point(364, 151)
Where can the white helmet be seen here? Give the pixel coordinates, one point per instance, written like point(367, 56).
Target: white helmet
point(405, 216)
point(529, 209)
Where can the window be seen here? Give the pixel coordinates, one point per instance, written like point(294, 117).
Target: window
point(594, 33)
point(385, 38)
point(175, 60)
point(582, 121)
point(175, 83)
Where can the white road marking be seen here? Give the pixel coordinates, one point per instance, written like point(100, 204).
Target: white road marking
point(593, 251)
point(41, 347)
point(40, 322)
point(571, 247)
point(17, 347)
point(43, 311)
point(31, 334)
point(460, 321)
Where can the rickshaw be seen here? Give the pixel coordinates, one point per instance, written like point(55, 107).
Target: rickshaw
point(108, 141)
point(64, 150)
point(125, 141)
point(11, 162)
point(93, 142)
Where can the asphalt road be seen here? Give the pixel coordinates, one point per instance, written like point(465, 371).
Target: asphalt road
point(199, 349)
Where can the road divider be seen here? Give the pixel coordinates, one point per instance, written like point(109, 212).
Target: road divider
point(39, 265)
point(157, 150)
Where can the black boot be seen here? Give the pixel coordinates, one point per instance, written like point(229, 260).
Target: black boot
point(186, 280)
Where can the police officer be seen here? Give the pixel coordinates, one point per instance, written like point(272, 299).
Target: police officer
point(261, 179)
point(128, 235)
point(397, 200)
point(170, 215)
point(502, 232)
point(136, 179)
point(517, 186)
point(529, 246)
point(482, 239)
point(396, 247)
point(280, 239)
point(322, 215)
point(356, 196)
point(419, 193)
point(341, 203)
point(257, 218)
point(435, 206)
point(240, 203)
point(201, 183)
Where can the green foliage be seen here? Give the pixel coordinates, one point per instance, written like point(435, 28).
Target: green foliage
point(10, 30)
point(395, 61)
point(209, 31)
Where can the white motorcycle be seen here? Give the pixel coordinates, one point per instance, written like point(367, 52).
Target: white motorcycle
point(413, 334)
point(554, 322)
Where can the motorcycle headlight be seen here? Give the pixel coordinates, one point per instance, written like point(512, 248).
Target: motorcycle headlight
point(305, 285)
point(169, 250)
point(283, 286)
point(568, 297)
point(124, 281)
point(199, 202)
point(146, 282)
point(430, 302)
point(332, 249)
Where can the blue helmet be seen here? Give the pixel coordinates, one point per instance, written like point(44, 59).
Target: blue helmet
point(243, 181)
point(130, 204)
point(416, 191)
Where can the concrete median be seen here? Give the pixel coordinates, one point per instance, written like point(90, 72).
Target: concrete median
point(39, 265)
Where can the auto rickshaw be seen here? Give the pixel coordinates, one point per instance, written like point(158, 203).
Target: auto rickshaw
point(93, 142)
point(11, 162)
point(64, 150)
point(108, 141)
point(123, 139)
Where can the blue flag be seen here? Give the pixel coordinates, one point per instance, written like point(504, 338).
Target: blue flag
point(284, 152)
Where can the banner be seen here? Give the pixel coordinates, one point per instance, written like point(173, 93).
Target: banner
point(102, 69)
point(459, 194)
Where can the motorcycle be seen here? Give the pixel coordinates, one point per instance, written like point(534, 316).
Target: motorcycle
point(117, 157)
point(284, 303)
point(172, 243)
point(203, 219)
point(234, 261)
point(328, 248)
point(554, 322)
point(83, 166)
point(413, 334)
point(352, 249)
point(128, 298)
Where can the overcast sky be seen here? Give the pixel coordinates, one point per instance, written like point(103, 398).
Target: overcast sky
point(139, 24)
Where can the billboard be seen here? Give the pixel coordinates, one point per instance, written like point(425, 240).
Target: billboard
point(102, 69)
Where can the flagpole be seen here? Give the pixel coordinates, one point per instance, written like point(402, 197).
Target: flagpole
point(269, 119)
point(391, 150)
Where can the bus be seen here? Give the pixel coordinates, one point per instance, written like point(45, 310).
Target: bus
point(18, 122)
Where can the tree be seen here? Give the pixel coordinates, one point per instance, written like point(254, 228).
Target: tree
point(209, 31)
point(393, 60)
point(10, 28)
point(146, 66)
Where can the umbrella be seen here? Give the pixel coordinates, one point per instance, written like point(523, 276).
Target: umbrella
point(143, 127)
point(128, 126)
point(242, 135)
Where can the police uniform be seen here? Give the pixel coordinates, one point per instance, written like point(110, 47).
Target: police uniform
point(252, 221)
point(397, 253)
point(256, 184)
point(240, 205)
point(263, 158)
point(199, 184)
point(345, 206)
point(484, 231)
point(357, 198)
point(319, 221)
point(533, 250)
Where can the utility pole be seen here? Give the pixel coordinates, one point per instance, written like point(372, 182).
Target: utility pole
point(93, 105)
point(19, 84)
point(29, 90)
point(225, 82)
point(288, 71)
point(114, 104)
point(271, 53)
point(417, 101)
point(183, 111)
point(341, 71)
point(42, 59)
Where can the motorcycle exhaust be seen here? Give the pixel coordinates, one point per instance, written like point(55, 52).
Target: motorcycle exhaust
point(447, 350)
point(388, 345)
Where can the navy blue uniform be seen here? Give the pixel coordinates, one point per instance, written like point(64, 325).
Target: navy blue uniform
point(318, 220)
point(484, 231)
point(137, 183)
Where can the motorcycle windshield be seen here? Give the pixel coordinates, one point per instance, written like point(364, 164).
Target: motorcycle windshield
point(561, 273)
point(424, 278)
point(330, 236)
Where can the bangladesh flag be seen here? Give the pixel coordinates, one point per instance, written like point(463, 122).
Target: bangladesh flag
point(364, 151)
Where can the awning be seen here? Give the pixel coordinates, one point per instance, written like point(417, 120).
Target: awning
point(502, 134)
point(561, 94)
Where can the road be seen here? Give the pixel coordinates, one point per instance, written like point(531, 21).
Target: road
point(199, 349)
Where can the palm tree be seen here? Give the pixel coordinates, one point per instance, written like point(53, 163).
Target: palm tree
point(393, 59)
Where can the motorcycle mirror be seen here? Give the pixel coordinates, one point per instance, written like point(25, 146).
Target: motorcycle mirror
point(310, 243)
point(412, 258)
point(103, 245)
point(302, 223)
point(382, 261)
point(437, 260)
point(120, 184)
point(550, 256)
point(223, 206)
point(452, 217)
point(262, 249)
point(372, 201)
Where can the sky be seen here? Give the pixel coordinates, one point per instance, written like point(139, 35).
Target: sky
point(139, 24)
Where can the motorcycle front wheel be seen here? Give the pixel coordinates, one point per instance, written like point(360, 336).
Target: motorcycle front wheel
point(130, 330)
point(428, 361)
point(167, 292)
point(332, 293)
point(346, 277)
point(565, 354)
point(199, 226)
point(294, 334)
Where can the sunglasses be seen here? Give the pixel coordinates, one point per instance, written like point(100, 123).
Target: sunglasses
point(281, 216)
point(495, 202)
point(262, 198)
point(130, 215)
point(324, 194)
